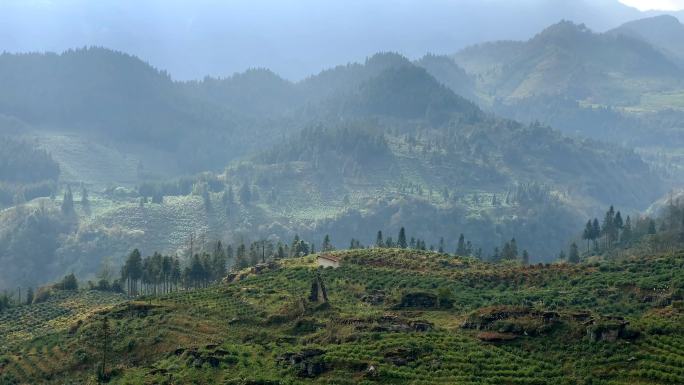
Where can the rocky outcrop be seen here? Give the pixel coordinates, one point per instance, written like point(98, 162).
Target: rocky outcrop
point(375, 298)
point(515, 320)
point(387, 323)
point(211, 355)
point(307, 363)
point(609, 329)
point(419, 300)
point(400, 356)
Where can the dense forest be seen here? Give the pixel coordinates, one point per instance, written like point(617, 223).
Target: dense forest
point(26, 172)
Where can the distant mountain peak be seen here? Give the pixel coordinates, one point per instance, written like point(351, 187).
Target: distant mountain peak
point(562, 30)
point(387, 59)
point(665, 32)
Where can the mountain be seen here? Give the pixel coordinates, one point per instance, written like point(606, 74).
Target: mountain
point(122, 101)
point(664, 32)
point(570, 60)
point(355, 149)
point(616, 86)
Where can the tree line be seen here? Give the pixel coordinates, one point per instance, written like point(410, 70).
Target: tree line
point(158, 274)
point(643, 234)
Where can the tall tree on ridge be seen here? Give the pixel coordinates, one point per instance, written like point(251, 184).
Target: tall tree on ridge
point(401, 240)
point(378, 240)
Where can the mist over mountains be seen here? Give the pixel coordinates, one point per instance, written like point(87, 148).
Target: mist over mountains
point(326, 192)
point(293, 38)
point(499, 140)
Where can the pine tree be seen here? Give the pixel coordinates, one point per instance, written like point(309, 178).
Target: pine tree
point(595, 232)
point(609, 227)
point(68, 202)
point(85, 202)
point(218, 262)
point(573, 255)
point(327, 245)
point(389, 242)
point(513, 249)
point(506, 253)
point(378, 240)
point(401, 240)
point(134, 269)
point(103, 376)
point(461, 248)
point(241, 256)
point(29, 296)
point(626, 236)
point(496, 257)
point(176, 273)
point(588, 234)
point(525, 258)
point(441, 245)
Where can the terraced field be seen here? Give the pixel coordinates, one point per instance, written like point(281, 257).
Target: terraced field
point(392, 317)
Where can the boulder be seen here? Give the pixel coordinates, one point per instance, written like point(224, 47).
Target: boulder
point(307, 363)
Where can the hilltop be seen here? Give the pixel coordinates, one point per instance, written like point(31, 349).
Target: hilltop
point(664, 32)
point(392, 316)
point(570, 60)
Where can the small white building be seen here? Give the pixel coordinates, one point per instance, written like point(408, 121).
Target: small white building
point(328, 261)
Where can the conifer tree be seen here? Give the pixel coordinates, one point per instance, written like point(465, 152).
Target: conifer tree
point(573, 255)
point(68, 202)
point(401, 240)
point(29, 296)
point(327, 244)
point(588, 233)
point(85, 202)
point(389, 242)
point(103, 376)
point(626, 236)
point(378, 240)
point(525, 258)
point(461, 248)
point(241, 256)
point(595, 232)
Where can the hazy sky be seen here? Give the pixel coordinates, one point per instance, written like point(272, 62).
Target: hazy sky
point(645, 5)
point(295, 38)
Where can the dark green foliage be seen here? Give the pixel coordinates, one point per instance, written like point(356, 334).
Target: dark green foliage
point(573, 254)
point(401, 239)
point(22, 162)
point(68, 202)
point(69, 282)
point(26, 172)
point(409, 92)
point(327, 148)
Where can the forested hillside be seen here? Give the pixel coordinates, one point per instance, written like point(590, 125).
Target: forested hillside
point(624, 85)
point(26, 172)
point(355, 149)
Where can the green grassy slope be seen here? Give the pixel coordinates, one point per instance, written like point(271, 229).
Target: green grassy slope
point(490, 324)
